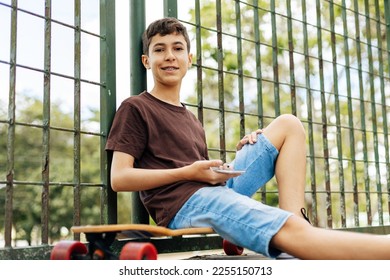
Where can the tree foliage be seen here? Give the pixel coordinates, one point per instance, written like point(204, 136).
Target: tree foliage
point(27, 204)
point(286, 79)
point(310, 62)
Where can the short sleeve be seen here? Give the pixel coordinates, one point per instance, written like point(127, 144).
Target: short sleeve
point(128, 132)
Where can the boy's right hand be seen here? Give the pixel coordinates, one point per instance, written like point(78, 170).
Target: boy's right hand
point(201, 171)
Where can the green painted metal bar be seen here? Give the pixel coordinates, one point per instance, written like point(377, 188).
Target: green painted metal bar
point(387, 19)
point(340, 150)
point(259, 76)
point(291, 59)
point(324, 122)
point(259, 79)
point(385, 123)
point(350, 120)
point(170, 8)
point(362, 119)
point(362, 114)
point(8, 219)
point(199, 62)
point(107, 106)
point(309, 105)
point(57, 75)
point(240, 69)
point(221, 98)
point(38, 15)
point(46, 126)
point(137, 85)
point(76, 118)
point(137, 27)
point(337, 111)
point(275, 64)
point(373, 110)
point(336, 92)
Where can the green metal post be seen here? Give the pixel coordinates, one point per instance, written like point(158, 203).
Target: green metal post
point(8, 219)
point(350, 120)
point(77, 119)
point(259, 78)
point(323, 117)
point(337, 108)
point(199, 61)
point(309, 96)
point(374, 119)
point(107, 104)
point(275, 63)
point(137, 85)
point(291, 57)
point(221, 90)
point(137, 27)
point(359, 55)
point(170, 8)
point(240, 69)
point(46, 127)
point(387, 16)
point(259, 75)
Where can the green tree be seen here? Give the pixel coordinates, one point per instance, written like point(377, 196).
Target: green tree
point(27, 206)
point(290, 78)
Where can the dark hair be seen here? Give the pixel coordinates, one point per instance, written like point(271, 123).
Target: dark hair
point(164, 26)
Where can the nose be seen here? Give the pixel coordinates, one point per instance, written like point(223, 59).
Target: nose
point(169, 55)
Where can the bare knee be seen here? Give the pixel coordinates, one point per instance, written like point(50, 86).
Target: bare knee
point(284, 126)
point(291, 124)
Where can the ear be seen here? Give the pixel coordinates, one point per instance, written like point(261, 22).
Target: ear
point(189, 60)
point(145, 61)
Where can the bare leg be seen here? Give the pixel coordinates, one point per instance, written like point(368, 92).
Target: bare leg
point(300, 239)
point(287, 134)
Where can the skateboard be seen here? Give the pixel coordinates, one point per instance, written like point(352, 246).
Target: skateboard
point(101, 237)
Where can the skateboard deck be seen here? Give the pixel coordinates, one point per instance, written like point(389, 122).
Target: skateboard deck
point(101, 237)
point(140, 231)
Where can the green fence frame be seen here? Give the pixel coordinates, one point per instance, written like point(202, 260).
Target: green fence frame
point(107, 85)
point(366, 82)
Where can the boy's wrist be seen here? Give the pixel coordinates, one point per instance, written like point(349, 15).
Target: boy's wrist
point(183, 173)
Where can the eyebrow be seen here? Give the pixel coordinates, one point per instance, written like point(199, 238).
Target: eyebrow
point(164, 44)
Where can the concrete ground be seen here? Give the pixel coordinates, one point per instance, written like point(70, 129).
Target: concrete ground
point(216, 255)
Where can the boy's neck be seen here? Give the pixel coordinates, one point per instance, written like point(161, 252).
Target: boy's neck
point(168, 95)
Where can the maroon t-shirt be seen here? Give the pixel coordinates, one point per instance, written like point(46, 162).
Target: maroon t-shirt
point(159, 136)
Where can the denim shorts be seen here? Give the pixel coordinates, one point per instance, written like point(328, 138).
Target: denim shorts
point(231, 211)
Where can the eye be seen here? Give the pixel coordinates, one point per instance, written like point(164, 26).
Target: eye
point(159, 50)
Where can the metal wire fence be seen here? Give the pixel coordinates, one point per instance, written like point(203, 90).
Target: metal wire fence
point(52, 129)
point(326, 62)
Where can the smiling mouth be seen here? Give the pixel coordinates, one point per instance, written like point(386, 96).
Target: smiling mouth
point(170, 68)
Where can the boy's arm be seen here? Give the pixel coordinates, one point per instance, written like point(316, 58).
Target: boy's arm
point(124, 177)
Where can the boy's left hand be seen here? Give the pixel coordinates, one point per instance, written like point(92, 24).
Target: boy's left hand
point(201, 171)
point(248, 139)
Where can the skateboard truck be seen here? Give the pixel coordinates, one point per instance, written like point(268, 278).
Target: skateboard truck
point(99, 244)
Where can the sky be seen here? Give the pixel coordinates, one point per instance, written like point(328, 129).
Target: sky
point(30, 49)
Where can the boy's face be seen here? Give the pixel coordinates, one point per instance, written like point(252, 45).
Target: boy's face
point(168, 59)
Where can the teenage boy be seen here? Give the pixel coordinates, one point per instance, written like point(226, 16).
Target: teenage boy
point(159, 148)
